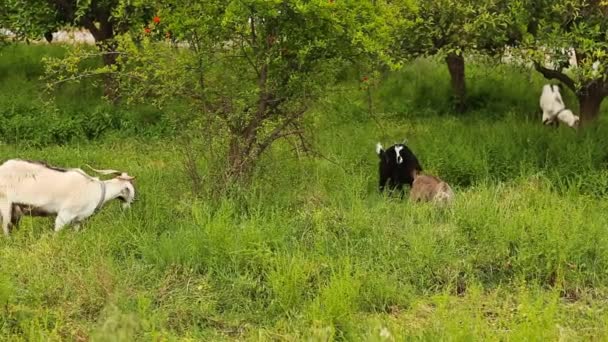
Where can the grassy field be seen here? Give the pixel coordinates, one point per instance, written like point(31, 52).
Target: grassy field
point(312, 251)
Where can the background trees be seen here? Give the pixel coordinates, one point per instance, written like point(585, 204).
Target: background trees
point(104, 19)
point(555, 31)
point(453, 28)
point(39, 18)
point(250, 69)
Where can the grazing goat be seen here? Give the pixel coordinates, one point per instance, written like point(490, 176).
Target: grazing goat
point(427, 188)
point(554, 109)
point(397, 165)
point(38, 189)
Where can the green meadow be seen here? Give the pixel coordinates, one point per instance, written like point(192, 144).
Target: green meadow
point(311, 250)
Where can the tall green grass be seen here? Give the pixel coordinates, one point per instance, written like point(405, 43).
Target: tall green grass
point(31, 116)
point(313, 251)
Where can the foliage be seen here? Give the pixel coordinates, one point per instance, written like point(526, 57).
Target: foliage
point(249, 70)
point(559, 26)
point(559, 30)
point(451, 29)
point(450, 26)
point(28, 19)
point(102, 18)
point(76, 113)
point(32, 19)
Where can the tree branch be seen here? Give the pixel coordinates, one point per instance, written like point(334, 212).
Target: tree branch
point(92, 74)
point(278, 131)
point(252, 26)
point(249, 60)
point(553, 74)
point(90, 25)
point(250, 131)
point(309, 149)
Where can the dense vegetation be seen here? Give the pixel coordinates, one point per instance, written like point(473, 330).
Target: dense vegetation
point(311, 249)
point(33, 117)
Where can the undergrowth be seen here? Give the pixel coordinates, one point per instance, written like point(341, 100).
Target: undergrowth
point(312, 250)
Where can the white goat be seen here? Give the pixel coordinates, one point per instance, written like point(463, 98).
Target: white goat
point(70, 194)
point(566, 116)
point(553, 107)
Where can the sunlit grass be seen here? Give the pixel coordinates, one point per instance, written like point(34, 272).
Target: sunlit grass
point(312, 250)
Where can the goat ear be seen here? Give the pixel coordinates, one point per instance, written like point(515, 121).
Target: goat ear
point(104, 172)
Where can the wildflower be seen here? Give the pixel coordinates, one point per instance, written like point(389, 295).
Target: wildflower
point(147, 30)
point(156, 20)
point(365, 78)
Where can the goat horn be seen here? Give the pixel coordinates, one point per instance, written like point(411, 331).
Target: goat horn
point(104, 172)
point(125, 176)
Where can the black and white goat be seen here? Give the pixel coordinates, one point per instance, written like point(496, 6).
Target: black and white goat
point(554, 109)
point(38, 189)
point(397, 165)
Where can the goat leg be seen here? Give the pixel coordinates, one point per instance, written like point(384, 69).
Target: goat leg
point(6, 211)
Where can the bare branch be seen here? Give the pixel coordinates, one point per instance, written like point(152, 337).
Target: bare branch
point(249, 60)
point(103, 53)
point(250, 131)
point(92, 74)
point(89, 25)
point(279, 130)
point(310, 150)
point(553, 74)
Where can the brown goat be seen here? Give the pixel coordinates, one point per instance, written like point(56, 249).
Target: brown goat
point(427, 188)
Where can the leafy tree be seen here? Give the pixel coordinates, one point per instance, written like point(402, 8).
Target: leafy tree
point(553, 31)
point(451, 28)
point(32, 19)
point(26, 20)
point(248, 69)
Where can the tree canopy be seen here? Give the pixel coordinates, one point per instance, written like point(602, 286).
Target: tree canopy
point(554, 32)
point(250, 69)
point(451, 28)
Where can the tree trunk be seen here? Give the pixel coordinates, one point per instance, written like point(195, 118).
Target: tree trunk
point(240, 162)
point(104, 35)
point(456, 67)
point(110, 89)
point(590, 99)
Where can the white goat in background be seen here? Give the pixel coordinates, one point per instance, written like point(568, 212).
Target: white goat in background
point(554, 109)
point(44, 190)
